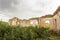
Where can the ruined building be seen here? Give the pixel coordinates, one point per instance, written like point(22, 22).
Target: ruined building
point(51, 21)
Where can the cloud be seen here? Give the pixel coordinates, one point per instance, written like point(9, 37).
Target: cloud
point(7, 4)
point(28, 8)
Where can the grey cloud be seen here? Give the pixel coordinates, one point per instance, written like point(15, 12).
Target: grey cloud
point(25, 8)
point(6, 4)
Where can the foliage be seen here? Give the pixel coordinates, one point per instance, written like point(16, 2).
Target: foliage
point(2, 23)
point(25, 33)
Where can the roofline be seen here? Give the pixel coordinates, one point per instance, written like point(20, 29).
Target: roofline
point(58, 9)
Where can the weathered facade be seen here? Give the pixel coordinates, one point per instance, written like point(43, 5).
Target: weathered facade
point(51, 21)
point(34, 21)
point(24, 22)
point(14, 21)
point(56, 18)
point(46, 21)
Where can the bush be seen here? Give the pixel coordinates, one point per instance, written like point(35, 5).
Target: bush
point(25, 33)
point(22, 33)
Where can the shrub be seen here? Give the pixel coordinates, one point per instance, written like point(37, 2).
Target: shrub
point(25, 33)
point(22, 33)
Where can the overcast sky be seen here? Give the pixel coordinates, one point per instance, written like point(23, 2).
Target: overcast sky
point(25, 9)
